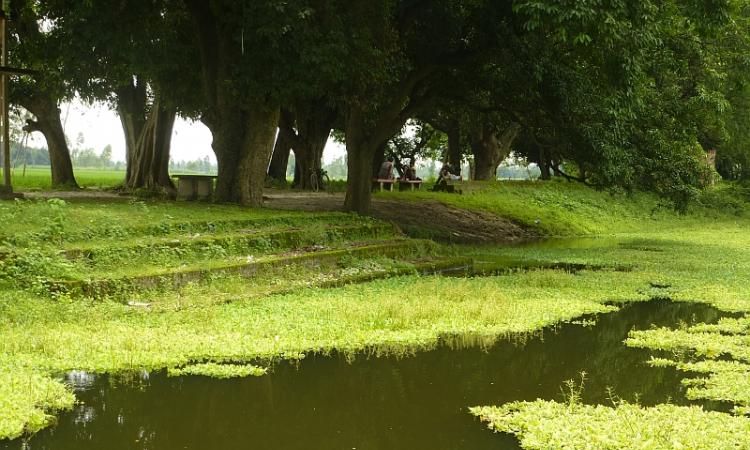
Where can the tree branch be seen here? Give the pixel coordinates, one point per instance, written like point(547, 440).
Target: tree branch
point(32, 126)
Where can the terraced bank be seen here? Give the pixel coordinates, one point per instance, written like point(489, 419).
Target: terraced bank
point(117, 288)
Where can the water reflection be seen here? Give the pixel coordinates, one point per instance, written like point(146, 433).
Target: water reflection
point(415, 402)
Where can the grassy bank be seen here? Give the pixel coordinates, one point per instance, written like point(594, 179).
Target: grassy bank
point(564, 209)
point(648, 251)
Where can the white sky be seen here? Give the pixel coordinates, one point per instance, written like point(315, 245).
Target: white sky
point(101, 126)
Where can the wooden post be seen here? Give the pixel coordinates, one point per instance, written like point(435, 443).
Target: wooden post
point(4, 115)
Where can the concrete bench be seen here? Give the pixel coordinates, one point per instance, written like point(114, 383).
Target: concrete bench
point(195, 187)
point(383, 183)
point(410, 185)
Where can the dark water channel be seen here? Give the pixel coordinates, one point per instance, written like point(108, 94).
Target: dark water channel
point(418, 402)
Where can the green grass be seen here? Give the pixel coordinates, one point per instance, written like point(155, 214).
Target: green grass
point(40, 178)
point(56, 221)
point(698, 257)
point(565, 209)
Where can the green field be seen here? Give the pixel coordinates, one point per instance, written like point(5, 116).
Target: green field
point(39, 178)
point(280, 313)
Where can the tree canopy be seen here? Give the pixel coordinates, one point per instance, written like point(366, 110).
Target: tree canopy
point(619, 95)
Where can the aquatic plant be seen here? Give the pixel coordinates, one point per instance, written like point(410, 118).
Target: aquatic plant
point(215, 370)
point(548, 425)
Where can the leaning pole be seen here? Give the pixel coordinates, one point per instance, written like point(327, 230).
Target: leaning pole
point(4, 115)
point(6, 190)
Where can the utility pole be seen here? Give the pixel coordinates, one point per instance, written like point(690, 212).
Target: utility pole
point(4, 115)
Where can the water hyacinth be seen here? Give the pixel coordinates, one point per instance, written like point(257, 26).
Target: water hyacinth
point(542, 425)
point(218, 370)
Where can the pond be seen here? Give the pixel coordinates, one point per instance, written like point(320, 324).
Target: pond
point(332, 402)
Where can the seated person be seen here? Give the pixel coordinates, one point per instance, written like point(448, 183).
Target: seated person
point(442, 181)
point(386, 170)
point(411, 174)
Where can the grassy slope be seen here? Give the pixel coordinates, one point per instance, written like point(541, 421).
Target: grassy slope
point(566, 209)
point(700, 256)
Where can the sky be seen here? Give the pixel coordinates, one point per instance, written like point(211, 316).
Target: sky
point(101, 127)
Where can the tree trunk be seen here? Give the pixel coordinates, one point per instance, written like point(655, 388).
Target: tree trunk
point(359, 177)
point(297, 174)
point(313, 121)
point(308, 156)
point(556, 168)
point(280, 157)
point(48, 123)
point(131, 107)
point(243, 143)
point(244, 131)
point(454, 145)
point(360, 155)
point(281, 150)
point(544, 166)
point(490, 150)
point(150, 158)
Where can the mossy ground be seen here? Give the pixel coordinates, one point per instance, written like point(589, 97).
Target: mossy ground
point(231, 319)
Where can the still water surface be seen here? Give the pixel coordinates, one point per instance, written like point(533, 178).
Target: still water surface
point(418, 402)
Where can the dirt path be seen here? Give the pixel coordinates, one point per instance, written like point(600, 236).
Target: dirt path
point(431, 219)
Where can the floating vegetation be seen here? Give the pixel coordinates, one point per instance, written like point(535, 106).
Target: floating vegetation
point(215, 370)
point(726, 380)
point(28, 400)
point(548, 425)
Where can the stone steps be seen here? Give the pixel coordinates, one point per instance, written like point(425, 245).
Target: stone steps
point(174, 278)
point(238, 242)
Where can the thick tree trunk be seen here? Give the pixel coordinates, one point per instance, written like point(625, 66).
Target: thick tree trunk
point(131, 107)
point(490, 149)
point(308, 155)
point(150, 159)
point(243, 143)
point(544, 165)
point(360, 155)
point(359, 177)
point(454, 145)
point(49, 124)
point(313, 121)
point(280, 157)
point(297, 174)
point(282, 148)
point(244, 131)
point(378, 159)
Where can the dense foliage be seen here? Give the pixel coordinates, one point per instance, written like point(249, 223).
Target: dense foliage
point(613, 94)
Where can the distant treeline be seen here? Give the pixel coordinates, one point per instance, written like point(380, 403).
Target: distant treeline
point(89, 158)
point(428, 169)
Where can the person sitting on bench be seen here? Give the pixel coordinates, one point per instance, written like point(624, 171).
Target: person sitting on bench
point(446, 174)
point(410, 174)
point(386, 170)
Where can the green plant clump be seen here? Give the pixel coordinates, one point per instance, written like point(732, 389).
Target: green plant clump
point(215, 370)
point(28, 400)
point(550, 425)
point(719, 352)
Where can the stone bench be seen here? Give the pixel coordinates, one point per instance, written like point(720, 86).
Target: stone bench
point(195, 187)
point(410, 185)
point(383, 183)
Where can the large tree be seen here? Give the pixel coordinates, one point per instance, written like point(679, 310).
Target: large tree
point(402, 52)
point(139, 74)
point(307, 127)
point(34, 48)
